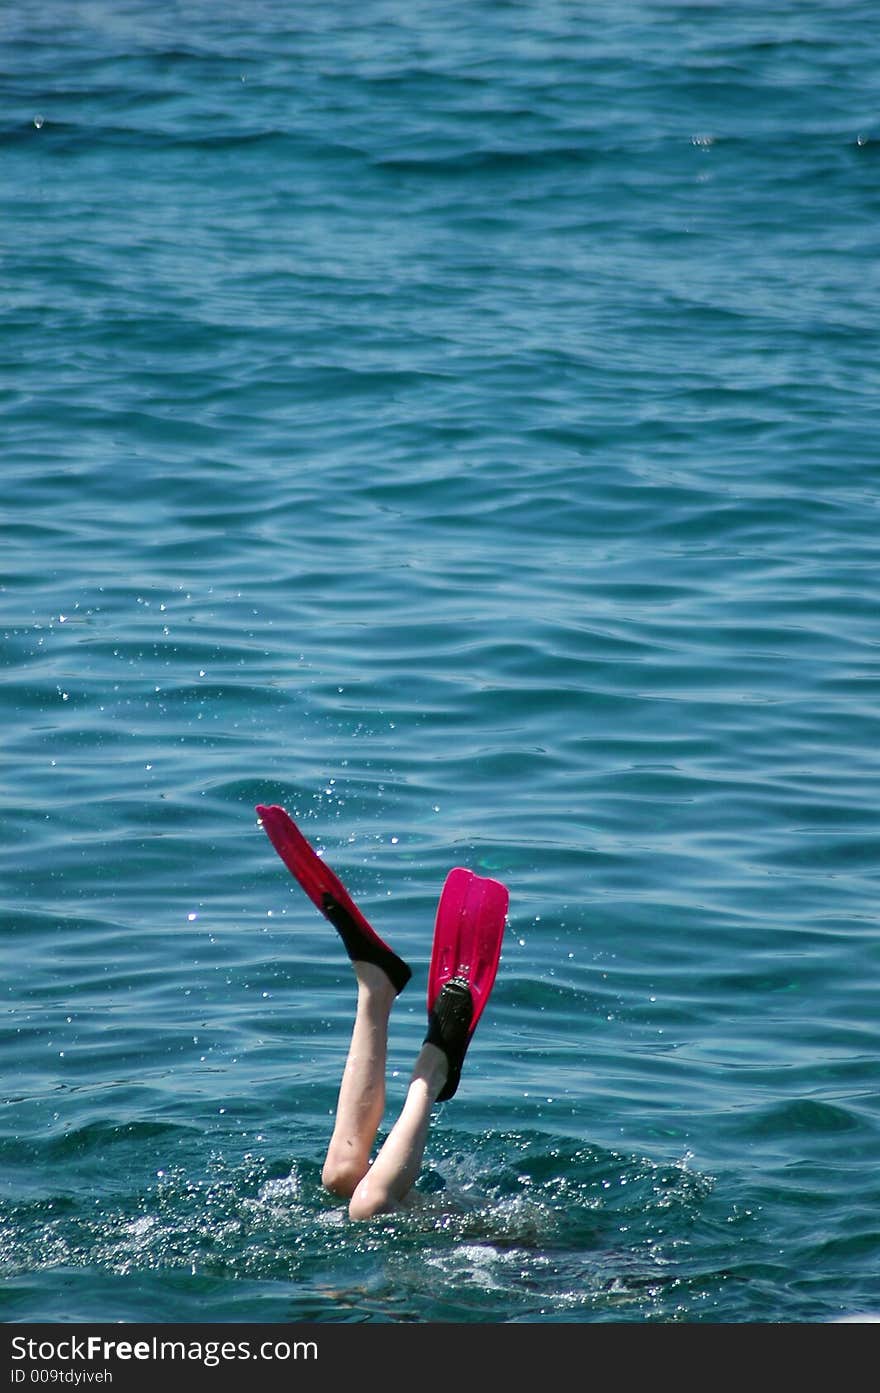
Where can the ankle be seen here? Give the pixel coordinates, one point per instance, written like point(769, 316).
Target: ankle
point(374, 988)
point(430, 1070)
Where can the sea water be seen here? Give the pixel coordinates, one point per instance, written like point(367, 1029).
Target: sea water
point(457, 423)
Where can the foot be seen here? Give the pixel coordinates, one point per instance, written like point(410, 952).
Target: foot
point(362, 949)
point(449, 1029)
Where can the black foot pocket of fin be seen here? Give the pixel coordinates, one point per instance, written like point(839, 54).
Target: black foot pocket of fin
point(449, 1028)
point(362, 949)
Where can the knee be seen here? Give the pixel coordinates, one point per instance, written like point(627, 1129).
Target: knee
point(370, 1199)
point(341, 1177)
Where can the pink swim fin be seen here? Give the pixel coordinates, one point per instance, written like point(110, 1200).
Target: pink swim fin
point(469, 930)
point(327, 892)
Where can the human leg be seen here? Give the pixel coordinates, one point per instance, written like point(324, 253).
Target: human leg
point(361, 1100)
point(435, 1076)
point(396, 1168)
point(381, 975)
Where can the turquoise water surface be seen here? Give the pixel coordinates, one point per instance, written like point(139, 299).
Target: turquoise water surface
point(458, 423)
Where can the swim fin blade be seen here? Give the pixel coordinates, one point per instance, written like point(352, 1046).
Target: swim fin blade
point(330, 896)
point(468, 934)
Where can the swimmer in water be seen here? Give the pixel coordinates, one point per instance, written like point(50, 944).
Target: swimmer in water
point(469, 929)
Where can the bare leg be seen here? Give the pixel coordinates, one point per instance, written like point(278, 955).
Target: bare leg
point(397, 1165)
point(362, 1090)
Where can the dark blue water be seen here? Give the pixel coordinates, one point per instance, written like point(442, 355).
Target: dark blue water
point(459, 424)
